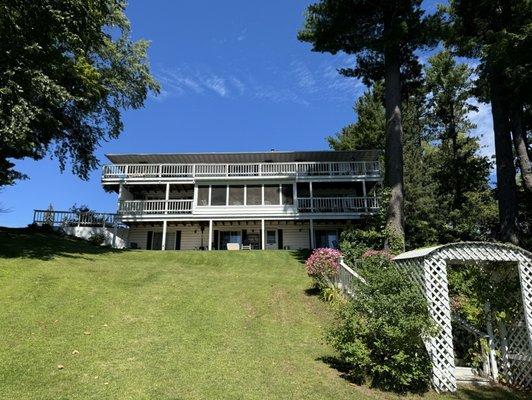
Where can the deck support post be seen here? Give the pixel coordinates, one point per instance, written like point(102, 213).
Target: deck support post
point(166, 198)
point(163, 244)
point(263, 234)
point(312, 237)
point(364, 193)
point(210, 235)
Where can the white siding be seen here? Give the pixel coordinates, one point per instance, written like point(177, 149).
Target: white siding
point(295, 236)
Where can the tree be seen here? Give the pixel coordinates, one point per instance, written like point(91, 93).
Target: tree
point(384, 35)
point(368, 131)
point(67, 69)
point(459, 172)
point(446, 181)
point(489, 30)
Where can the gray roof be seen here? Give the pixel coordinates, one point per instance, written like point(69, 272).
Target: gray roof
point(244, 157)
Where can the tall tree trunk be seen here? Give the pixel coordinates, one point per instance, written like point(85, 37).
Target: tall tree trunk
point(393, 174)
point(520, 145)
point(506, 187)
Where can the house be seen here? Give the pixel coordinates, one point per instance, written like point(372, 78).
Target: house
point(252, 200)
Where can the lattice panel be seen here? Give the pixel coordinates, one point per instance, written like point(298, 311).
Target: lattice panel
point(441, 346)
point(429, 270)
point(519, 356)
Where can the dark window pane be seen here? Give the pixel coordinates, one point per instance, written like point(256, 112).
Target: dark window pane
point(288, 194)
point(203, 195)
point(218, 195)
point(254, 195)
point(236, 195)
point(271, 194)
point(270, 237)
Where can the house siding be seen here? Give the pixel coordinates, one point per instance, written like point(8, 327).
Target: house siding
point(295, 235)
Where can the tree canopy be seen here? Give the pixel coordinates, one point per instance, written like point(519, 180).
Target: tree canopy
point(384, 36)
point(67, 69)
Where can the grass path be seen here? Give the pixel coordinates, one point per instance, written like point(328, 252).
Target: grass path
point(162, 325)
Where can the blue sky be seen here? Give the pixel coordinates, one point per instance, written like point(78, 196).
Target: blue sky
point(234, 78)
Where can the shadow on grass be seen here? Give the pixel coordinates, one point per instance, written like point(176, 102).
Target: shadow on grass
point(340, 366)
point(27, 243)
point(465, 392)
point(489, 392)
point(300, 255)
point(312, 291)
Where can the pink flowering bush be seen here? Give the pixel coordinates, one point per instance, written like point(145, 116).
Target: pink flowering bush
point(377, 253)
point(323, 263)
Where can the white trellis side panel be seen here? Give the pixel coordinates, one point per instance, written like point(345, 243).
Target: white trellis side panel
point(428, 267)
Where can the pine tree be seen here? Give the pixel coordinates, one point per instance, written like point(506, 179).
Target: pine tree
point(498, 33)
point(458, 170)
point(369, 130)
point(384, 35)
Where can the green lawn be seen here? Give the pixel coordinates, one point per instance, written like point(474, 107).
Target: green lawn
point(163, 325)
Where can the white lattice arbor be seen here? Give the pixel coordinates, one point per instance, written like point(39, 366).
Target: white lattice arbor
point(428, 267)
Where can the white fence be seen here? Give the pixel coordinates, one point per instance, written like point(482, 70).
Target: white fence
point(155, 207)
point(147, 171)
point(338, 204)
point(72, 218)
point(345, 278)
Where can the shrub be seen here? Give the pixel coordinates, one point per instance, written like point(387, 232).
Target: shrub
point(379, 333)
point(97, 239)
point(354, 242)
point(323, 263)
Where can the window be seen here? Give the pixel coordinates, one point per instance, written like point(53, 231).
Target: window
point(254, 195)
point(271, 194)
point(229, 237)
point(236, 195)
point(203, 195)
point(288, 194)
point(218, 195)
point(270, 237)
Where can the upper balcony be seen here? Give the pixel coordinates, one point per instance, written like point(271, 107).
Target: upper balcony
point(193, 167)
point(113, 173)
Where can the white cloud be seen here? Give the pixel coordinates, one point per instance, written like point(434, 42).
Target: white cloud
point(217, 85)
point(296, 83)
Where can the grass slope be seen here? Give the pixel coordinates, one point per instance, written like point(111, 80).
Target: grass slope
point(162, 325)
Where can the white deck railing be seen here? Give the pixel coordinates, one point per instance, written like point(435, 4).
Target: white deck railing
point(155, 207)
point(72, 218)
point(151, 171)
point(346, 276)
point(338, 204)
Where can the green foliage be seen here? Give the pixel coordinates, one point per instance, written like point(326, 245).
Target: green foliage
point(368, 131)
point(371, 235)
point(447, 196)
point(97, 239)
point(367, 29)
point(67, 69)
point(471, 287)
point(379, 333)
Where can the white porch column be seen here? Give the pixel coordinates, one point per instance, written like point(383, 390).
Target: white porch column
point(312, 238)
point(210, 234)
point(163, 245)
point(166, 198)
point(364, 193)
point(295, 196)
point(311, 196)
point(263, 235)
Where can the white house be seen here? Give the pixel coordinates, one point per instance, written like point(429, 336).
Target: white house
point(257, 200)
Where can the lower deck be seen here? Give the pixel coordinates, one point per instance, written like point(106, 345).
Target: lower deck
point(223, 235)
